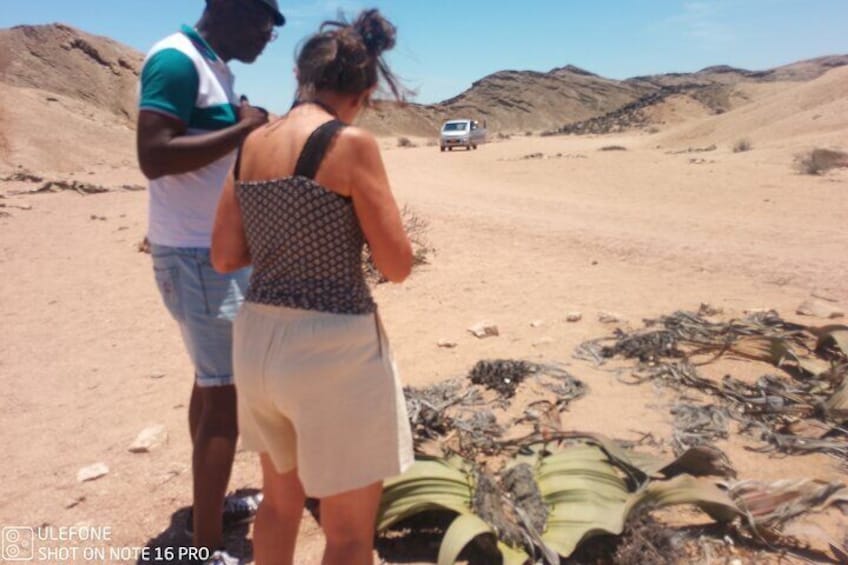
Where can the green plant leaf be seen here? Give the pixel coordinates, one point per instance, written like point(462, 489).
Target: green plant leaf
point(429, 484)
point(511, 555)
point(460, 533)
point(686, 489)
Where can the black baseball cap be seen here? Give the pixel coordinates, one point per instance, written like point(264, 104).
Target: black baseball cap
point(279, 18)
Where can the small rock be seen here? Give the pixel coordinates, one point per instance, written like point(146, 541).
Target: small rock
point(609, 318)
point(573, 317)
point(707, 309)
point(536, 323)
point(74, 502)
point(149, 439)
point(484, 329)
point(754, 311)
point(92, 472)
point(157, 376)
point(819, 309)
point(543, 341)
point(446, 343)
point(823, 295)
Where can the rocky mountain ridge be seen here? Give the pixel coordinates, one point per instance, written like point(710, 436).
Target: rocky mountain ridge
point(60, 70)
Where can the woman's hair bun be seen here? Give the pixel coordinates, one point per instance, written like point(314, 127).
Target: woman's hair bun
point(378, 34)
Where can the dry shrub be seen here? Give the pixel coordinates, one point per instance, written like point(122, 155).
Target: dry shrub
point(405, 142)
point(503, 135)
point(528, 133)
point(432, 142)
point(819, 161)
point(742, 145)
point(613, 148)
point(416, 230)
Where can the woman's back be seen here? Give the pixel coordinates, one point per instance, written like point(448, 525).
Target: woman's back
point(304, 237)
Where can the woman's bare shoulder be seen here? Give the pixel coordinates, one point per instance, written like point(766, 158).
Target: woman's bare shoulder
point(359, 140)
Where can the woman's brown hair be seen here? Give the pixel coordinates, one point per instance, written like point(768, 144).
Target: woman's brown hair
point(347, 58)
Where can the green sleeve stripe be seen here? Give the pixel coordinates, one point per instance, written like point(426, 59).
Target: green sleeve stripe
point(213, 118)
point(169, 83)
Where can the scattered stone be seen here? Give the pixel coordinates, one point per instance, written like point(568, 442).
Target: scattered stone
point(536, 323)
point(707, 309)
point(573, 317)
point(819, 309)
point(543, 341)
point(157, 376)
point(755, 311)
point(446, 343)
point(18, 206)
point(22, 177)
point(149, 439)
point(71, 503)
point(484, 329)
point(609, 318)
point(92, 472)
point(821, 294)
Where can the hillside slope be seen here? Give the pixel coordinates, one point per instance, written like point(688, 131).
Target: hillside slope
point(67, 99)
point(814, 112)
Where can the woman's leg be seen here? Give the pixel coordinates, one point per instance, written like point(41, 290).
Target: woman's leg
point(348, 520)
point(278, 518)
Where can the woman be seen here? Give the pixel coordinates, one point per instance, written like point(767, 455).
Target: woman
point(318, 396)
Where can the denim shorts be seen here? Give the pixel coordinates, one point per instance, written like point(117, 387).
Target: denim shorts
point(204, 303)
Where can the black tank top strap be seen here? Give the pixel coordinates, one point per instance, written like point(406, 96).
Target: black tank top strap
point(316, 147)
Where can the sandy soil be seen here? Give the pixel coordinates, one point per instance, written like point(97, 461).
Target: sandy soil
point(89, 357)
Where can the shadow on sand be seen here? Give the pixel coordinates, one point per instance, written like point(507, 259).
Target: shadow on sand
point(173, 545)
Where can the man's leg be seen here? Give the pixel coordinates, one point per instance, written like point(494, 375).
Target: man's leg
point(195, 406)
point(215, 301)
point(212, 461)
point(205, 303)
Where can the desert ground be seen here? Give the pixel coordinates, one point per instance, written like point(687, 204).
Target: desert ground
point(523, 231)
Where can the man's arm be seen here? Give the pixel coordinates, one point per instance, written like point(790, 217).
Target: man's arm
point(169, 85)
point(164, 149)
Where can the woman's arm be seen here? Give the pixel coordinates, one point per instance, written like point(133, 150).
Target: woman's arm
point(229, 244)
point(376, 208)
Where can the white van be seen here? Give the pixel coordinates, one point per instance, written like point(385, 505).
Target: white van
point(462, 133)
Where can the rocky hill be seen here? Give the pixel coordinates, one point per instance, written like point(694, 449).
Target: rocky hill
point(514, 101)
point(68, 98)
point(572, 100)
point(62, 60)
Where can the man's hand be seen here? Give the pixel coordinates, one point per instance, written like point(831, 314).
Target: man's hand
point(253, 116)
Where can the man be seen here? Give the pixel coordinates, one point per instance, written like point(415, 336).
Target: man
point(189, 124)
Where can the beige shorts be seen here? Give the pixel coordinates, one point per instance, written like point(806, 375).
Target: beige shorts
point(319, 392)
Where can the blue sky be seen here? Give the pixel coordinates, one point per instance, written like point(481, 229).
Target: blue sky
point(445, 45)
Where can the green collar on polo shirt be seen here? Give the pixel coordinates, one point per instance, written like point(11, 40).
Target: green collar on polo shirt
point(200, 43)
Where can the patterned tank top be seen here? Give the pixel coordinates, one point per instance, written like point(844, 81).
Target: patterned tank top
point(305, 241)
